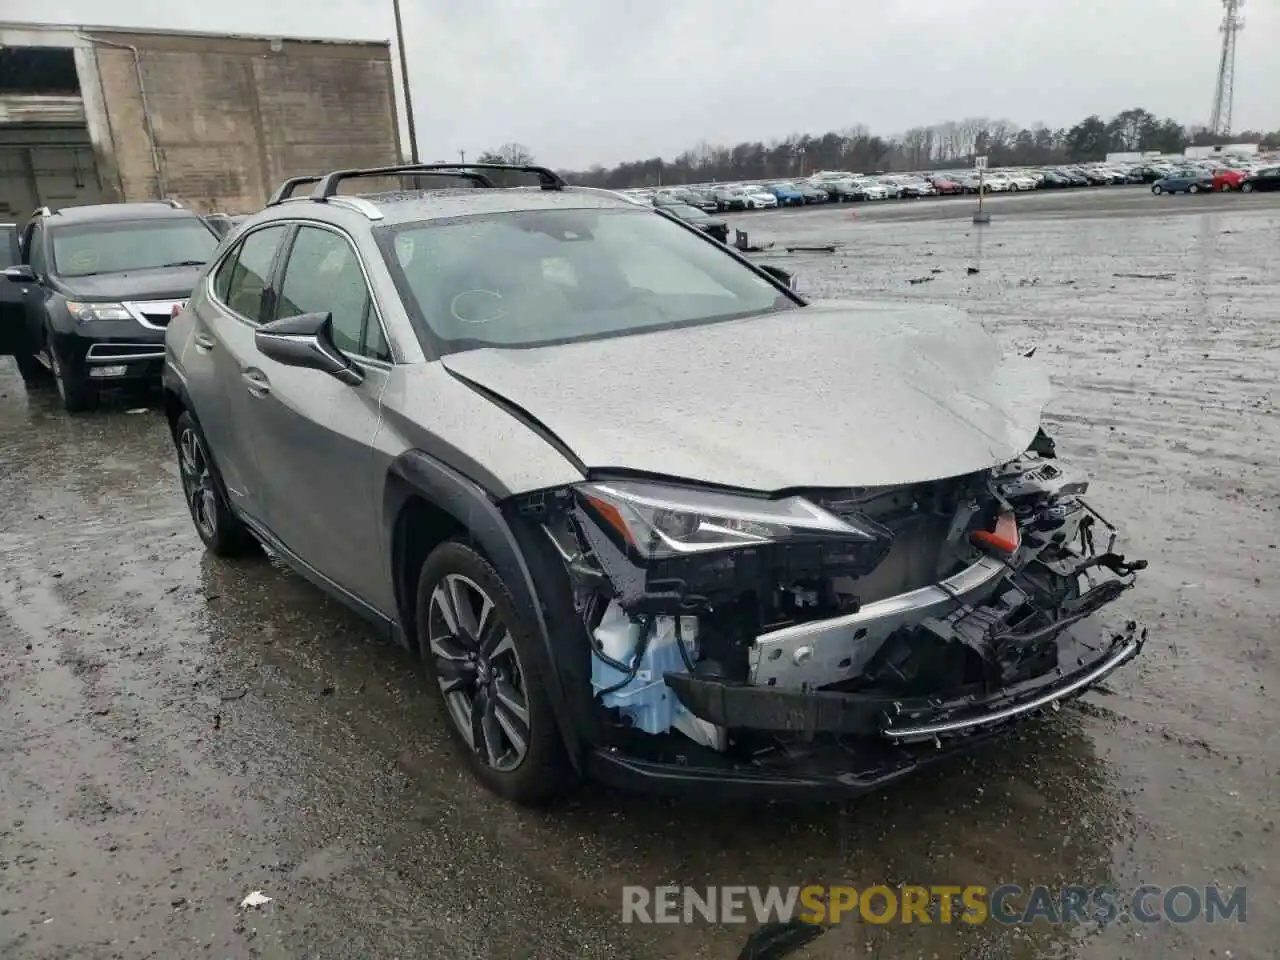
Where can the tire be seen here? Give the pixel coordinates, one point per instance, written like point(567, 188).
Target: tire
point(1246, 188)
point(487, 682)
point(221, 531)
point(1014, 188)
point(1157, 189)
point(33, 372)
point(1194, 188)
point(76, 392)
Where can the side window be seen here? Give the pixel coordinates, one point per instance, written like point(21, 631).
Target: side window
point(35, 251)
point(244, 275)
point(323, 275)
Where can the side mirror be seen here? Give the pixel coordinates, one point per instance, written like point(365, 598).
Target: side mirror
point(782, 276)
point(21, 273)
point(306, 341)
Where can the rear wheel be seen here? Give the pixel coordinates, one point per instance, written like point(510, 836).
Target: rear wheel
point(1157, 189)
point(221, 531)
point(480, 654)
point(1246, 188)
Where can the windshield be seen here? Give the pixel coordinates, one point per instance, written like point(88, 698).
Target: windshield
point(540, 277)
point(84, 251)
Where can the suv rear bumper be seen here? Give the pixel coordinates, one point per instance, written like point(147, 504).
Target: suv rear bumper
point(850, 743)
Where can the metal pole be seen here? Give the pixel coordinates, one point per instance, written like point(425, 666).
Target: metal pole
point(404, 81)
point(462, 156)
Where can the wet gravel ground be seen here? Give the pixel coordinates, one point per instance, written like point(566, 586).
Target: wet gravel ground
point(178, 731)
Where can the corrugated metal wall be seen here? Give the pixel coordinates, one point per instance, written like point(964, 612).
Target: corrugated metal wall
point(233, 117)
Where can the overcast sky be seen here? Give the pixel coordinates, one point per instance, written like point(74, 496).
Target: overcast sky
point(599, 81)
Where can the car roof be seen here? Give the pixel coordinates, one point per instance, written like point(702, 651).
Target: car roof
point(106, 212)
point(415, 206)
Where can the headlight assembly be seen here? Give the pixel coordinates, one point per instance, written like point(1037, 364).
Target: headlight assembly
point(84, 312)
point(656, 521)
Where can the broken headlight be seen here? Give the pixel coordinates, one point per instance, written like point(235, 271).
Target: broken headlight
point(656, 521)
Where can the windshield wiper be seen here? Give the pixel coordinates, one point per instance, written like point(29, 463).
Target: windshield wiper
point(183, 263)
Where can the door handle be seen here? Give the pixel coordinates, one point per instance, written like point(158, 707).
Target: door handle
point(256, 381)
point(204, 342)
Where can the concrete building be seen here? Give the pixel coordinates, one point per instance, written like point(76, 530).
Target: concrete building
point(91, 114)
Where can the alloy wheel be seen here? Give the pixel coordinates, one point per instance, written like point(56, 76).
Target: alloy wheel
point(479, 672)
point(197, 483)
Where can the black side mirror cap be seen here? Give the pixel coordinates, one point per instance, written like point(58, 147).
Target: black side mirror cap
point(306, 341)
point(20, 273)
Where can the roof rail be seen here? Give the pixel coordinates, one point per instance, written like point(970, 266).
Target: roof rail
point(328, 185)
point(285, 190)
point(173, 203)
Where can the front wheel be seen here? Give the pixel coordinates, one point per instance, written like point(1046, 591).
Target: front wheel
point(1157, 189)
point(1193, 189)
point(221, 531)
point(1246, 188)
point(75, 390)
point(480, 654)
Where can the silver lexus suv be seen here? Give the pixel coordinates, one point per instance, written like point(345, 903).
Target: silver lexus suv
point(645, 513)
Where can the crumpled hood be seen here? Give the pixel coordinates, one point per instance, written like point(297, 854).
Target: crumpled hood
point(829, 395)
point(164, 283)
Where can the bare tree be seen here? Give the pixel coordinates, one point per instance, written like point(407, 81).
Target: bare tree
point(516, 154)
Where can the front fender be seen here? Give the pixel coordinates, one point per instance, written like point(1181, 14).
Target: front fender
point(417, 474)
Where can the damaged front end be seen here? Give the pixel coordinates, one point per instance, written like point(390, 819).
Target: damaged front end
point(833, 639)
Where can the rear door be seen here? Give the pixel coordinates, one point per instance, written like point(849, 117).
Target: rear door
point(314, 435)
point(218, 352)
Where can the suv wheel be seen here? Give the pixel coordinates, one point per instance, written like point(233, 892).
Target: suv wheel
point(77, 393)
point(478, 651)
point(221, 530)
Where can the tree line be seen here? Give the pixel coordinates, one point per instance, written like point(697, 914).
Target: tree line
point(951, 144)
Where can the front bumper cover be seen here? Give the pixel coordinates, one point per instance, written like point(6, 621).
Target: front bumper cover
point(859, 742)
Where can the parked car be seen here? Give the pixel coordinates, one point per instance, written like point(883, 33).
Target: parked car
point(479, 421)
point(102, 282)
point(841, 191)
point(1020, 181)
point(1226, 179)
point(707, 224)
point(787, 194)
point(703, 201)
point(1054, 181)
point(946, 185)
point(1184, 181)
point(812, 193)
point(757, 197)
point(728, 198)
point(1267, 178)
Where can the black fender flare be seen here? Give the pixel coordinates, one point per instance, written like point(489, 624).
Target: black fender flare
point(415, 473)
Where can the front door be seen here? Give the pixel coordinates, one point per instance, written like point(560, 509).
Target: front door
point(314, 435)
point(219, 350)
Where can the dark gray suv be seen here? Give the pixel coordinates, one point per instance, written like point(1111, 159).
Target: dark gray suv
point(644, 512)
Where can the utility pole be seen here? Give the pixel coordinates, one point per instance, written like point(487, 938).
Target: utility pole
point(1224, 90)
point(404, 82)
point(462, 156)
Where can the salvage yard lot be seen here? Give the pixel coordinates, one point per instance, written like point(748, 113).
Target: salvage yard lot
point(178, 731)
